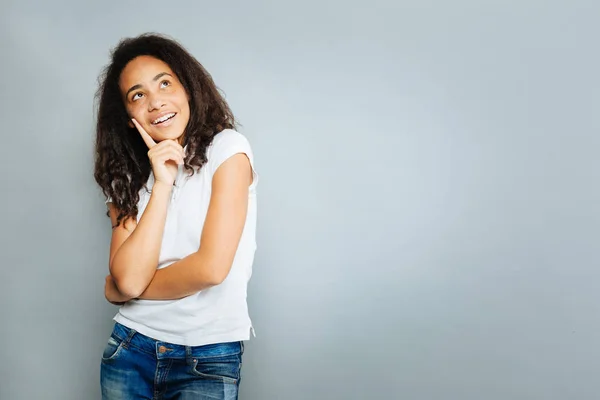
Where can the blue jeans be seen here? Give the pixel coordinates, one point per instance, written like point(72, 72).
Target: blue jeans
point(135, 366)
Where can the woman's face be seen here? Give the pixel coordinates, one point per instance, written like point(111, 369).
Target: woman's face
point(155, 97)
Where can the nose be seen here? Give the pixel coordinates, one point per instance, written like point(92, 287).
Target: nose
point(155, 102)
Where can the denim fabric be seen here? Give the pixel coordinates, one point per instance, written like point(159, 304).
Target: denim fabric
point(135, 366)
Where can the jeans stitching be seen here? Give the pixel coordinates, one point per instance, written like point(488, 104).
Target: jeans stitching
point(115, 353)
point(224, 379)
point(132, 345)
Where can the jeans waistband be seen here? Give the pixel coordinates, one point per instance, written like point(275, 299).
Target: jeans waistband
point(130, 338)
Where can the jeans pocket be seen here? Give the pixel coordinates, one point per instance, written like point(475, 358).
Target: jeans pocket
point(112, 349)
point(224, 369)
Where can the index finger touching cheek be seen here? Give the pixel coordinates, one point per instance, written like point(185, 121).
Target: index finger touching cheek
point(147, 138)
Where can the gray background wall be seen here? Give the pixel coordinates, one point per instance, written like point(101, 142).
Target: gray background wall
point(429, 202)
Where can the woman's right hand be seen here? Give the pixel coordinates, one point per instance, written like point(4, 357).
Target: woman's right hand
point(164, 156)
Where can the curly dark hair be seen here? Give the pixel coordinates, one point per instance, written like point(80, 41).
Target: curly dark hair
point(121, 160)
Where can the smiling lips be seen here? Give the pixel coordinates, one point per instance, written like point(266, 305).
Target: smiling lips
point(163, 118)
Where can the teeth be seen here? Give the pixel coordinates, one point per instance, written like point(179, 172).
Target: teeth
point(163, 118)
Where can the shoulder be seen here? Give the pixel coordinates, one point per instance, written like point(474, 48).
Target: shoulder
point(227, 143)
point(227, 138)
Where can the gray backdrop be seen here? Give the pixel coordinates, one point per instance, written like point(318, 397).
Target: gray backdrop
point(429, 202)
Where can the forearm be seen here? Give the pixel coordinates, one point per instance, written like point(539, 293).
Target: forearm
point(221, 234)
point(183, 278)
point(135, 262)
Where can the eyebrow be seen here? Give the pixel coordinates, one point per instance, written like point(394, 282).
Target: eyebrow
point(138, 86)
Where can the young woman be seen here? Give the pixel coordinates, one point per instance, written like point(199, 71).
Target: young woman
point(181, 194)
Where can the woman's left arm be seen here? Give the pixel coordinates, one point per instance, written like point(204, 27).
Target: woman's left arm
point(219, 240)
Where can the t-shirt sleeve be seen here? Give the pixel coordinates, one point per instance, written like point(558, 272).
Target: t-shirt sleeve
point(227, 144)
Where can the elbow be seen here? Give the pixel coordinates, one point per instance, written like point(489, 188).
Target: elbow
point(211, 269)
point(129, 283)
point(217, 279)
point(131, 291)
point(217, 275)
point(210, 280)
point(129, 287)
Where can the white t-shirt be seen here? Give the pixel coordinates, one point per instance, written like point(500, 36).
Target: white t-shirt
point(218, 314)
